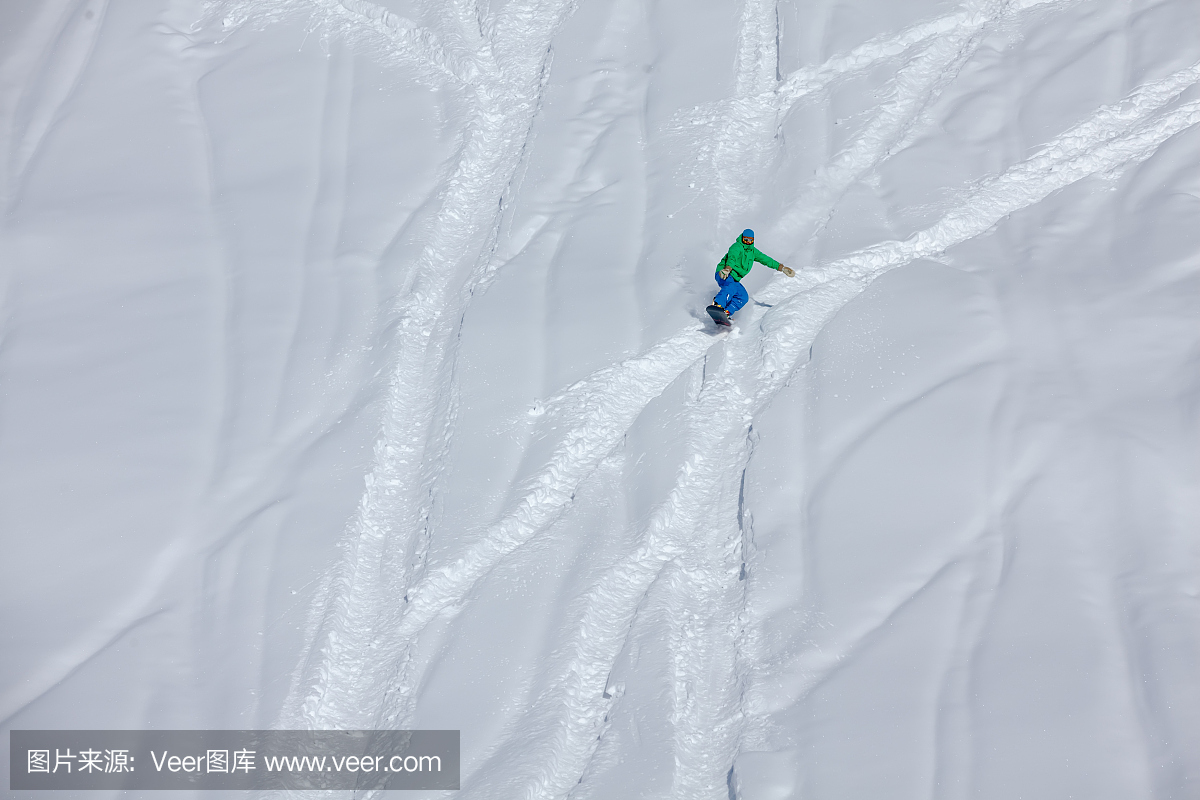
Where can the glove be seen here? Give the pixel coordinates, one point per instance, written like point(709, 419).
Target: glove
point(725, 272)
point(791, 273)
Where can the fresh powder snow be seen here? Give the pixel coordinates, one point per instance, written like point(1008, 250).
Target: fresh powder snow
point(355, 374)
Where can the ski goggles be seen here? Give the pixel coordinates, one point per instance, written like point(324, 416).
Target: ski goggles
point(747, 240)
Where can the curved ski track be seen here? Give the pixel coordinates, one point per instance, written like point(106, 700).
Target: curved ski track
point(500, 86)
point(359, 670)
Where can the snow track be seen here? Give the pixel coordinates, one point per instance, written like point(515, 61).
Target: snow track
point(337, 686)
point(1104, 144)
point(743, 128)
point(608, 403)
point(360, 669)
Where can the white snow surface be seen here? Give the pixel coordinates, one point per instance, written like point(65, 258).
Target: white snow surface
point(354, 374)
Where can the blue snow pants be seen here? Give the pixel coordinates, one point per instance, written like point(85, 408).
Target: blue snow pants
point(732, 295)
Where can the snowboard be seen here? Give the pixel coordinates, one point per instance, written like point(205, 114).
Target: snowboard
point(718, 315)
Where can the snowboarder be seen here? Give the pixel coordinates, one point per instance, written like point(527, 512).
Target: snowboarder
point(732, 268)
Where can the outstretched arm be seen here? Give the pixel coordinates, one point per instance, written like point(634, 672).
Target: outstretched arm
point(763, 258)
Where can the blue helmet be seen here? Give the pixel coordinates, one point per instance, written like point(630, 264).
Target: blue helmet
point(747, 234)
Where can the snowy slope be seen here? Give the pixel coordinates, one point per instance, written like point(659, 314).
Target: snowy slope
point(356, 375)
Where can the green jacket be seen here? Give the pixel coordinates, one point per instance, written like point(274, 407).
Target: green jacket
point(741, 258)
